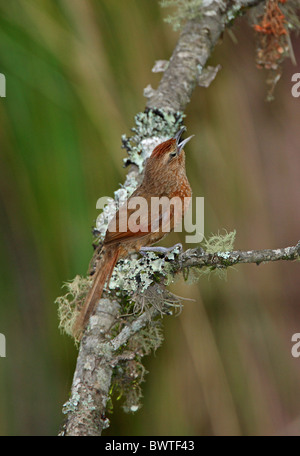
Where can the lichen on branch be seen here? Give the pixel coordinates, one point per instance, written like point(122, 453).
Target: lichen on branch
point(184, 11)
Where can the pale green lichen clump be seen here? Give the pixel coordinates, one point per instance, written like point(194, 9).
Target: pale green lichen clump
point(220, 244)
point(69, 304)
point(135, 274)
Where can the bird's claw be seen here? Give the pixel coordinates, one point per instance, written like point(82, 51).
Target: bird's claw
point(161, 250)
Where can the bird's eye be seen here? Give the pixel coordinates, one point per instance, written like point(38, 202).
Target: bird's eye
point(173, 154)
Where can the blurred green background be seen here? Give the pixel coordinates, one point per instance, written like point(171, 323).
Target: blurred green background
point(75, 72)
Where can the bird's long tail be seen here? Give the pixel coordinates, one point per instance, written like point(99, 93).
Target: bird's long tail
point(102, 275)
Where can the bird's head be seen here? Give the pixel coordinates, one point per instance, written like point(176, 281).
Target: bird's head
point(170, 153)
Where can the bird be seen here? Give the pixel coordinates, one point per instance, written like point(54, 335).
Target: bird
point(164, 176)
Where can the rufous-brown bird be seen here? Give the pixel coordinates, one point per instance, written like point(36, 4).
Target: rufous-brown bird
point(164, 176)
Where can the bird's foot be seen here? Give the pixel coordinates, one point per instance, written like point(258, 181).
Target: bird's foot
point(161, 250)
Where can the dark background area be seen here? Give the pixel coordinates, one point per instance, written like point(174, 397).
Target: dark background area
point(75, 72)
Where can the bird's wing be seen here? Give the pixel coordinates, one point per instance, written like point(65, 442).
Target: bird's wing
point(136, 220)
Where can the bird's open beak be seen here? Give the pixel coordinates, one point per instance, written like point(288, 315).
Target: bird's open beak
point(180, 145)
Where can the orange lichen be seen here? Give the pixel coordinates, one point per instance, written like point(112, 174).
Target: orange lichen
point(273, 20)
point(272, 41)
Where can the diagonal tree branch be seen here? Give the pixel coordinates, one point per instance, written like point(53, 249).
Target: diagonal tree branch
point(193, 49)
